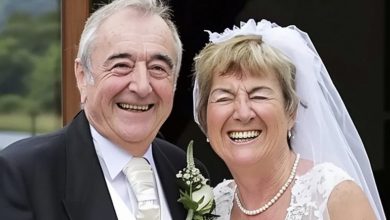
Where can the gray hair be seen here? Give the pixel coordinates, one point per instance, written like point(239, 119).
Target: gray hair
point(150, 7)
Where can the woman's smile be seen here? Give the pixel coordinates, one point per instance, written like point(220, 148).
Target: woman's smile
point(243, 136)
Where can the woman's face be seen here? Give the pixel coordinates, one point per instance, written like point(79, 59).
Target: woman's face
point(246, 118)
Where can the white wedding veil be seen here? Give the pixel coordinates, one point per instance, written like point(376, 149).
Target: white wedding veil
point(324, 131)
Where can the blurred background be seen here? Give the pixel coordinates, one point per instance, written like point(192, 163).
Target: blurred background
point(30, 68)
point(350, 35)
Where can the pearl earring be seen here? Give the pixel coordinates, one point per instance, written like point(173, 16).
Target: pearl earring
point(290, 135)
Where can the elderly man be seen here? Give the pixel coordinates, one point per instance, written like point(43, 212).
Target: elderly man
point(126, 70)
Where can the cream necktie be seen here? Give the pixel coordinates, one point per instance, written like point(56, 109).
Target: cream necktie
point(140, 176)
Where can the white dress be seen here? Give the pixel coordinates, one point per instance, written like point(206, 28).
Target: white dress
point(309, 198)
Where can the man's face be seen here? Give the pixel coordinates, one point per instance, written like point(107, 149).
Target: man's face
point(133, 60)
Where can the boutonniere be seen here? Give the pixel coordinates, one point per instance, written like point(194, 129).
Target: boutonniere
point(195, 194)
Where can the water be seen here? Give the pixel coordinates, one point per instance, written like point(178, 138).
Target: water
point(8, 137)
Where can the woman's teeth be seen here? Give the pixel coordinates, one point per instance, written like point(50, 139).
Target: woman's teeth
point(242, 136)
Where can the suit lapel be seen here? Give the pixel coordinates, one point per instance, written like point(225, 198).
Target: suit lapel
point(167, 173)
point(86, 194)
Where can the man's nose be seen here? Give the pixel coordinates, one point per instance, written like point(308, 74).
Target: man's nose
point(140, 81)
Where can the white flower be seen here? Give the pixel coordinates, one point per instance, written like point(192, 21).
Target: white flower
point(195, 194)
point(206, 192)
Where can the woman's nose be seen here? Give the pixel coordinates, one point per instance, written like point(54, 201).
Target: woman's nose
point(140, 81)
point(243, 110)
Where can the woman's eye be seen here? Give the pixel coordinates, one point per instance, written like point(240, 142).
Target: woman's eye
point(225, 99)
point(257, 97)
point(222, 99)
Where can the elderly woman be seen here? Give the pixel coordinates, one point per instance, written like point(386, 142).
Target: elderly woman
point(267, 105)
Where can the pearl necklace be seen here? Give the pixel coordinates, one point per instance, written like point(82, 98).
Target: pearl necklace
point(275, 198)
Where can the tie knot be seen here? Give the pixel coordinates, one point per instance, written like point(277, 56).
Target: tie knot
point(138, 165)
point(140, 176)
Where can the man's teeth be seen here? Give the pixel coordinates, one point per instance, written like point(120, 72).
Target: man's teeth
point(134, 107)
point(236, 135)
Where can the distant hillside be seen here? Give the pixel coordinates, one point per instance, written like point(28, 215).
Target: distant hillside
point(33, 7)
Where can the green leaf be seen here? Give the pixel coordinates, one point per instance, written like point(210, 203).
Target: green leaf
point(189, 204)
point(190, 155)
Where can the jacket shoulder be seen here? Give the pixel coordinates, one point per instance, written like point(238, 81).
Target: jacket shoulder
point(177, 156)
point(36, 148)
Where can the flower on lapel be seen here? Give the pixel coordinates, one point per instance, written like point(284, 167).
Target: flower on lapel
point(195, 194)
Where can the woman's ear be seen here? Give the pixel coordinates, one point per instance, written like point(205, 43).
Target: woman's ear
point(291, 120)
point(81, 79)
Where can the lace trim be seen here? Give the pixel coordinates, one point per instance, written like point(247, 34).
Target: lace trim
point(223, 195)
point(309, 198)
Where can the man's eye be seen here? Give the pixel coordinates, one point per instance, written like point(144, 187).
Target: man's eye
point(121, 68)
point(158, 71)
point(158, 68)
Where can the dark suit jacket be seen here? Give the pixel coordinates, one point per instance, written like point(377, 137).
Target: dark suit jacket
point(58, 176)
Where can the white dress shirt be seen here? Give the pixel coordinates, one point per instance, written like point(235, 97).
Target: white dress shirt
point(113, 159)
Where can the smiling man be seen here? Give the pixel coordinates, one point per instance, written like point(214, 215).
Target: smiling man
point(126, 70)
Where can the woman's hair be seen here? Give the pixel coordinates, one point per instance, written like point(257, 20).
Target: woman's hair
point(240, 55)
point(148, 7)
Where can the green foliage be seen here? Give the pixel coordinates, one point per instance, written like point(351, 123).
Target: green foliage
point(44, 82)
point(30, 64)
point(15, 65)
point(187, 201)
point(17, 104)
point(10, 103)
point(33, 33)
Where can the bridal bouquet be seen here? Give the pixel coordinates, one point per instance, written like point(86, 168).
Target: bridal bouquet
point(195, 194)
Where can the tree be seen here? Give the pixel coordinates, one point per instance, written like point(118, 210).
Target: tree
point(30, 65)
point(44, 81)
point(30, 60)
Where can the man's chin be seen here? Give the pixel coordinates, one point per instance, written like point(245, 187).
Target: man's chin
point(137, 137)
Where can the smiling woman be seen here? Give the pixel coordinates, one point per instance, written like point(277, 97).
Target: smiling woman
point(249, 84)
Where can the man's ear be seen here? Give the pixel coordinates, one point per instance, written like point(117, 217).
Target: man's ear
point(81, 79)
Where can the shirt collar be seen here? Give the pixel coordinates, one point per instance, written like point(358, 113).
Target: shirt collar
point(114, 157)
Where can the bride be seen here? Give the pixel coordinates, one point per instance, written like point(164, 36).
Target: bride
point(266, 102)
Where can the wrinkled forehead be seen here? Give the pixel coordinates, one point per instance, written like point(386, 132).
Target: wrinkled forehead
point(133, 19)
point(135, 27)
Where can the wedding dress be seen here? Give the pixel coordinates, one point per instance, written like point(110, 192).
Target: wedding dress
point(323, 133)
point(310, 194)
